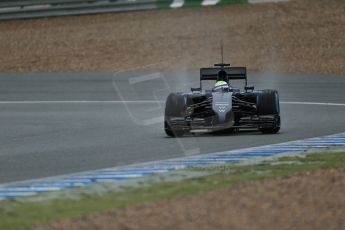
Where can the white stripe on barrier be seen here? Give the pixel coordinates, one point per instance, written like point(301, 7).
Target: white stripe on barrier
point(209, 2)
point(177, 4)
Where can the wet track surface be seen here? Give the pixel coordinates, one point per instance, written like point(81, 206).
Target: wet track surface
point(53, 124)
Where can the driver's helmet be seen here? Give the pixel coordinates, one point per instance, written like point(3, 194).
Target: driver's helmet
point(221, 86)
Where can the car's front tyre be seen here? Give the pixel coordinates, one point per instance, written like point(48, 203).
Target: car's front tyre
point(268, 105)
point(175, 107)
point(172, 132)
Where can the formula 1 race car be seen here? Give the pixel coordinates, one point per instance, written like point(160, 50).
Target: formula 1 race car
point(227, 109)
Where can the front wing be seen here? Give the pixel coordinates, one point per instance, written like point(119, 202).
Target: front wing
point(208, 125)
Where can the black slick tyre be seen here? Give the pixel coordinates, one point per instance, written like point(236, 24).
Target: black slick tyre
point(175, 107)
point(268, 105)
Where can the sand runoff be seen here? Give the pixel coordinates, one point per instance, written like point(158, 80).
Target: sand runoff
point(303, 201)
point(305, 36)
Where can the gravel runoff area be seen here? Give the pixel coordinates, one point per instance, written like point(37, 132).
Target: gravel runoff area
point(305, 201)
point(298, 36)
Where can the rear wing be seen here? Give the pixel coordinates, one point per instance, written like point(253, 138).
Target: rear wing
point(232, 73)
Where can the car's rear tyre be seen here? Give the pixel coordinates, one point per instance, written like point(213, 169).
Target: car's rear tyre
point(175, 107)
point(268, 104)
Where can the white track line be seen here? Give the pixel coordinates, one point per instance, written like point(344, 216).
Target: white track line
point(150, 102)
point(311, 103)
point(79, 102)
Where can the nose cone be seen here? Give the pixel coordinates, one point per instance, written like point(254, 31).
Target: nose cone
point(222, 104)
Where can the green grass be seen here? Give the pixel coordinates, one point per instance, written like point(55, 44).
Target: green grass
point(163, 4)
point(232, 1)
point(188, 3)
point(15, 214)
point(192, 3)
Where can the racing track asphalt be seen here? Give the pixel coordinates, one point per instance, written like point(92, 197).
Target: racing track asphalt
point(88, 127)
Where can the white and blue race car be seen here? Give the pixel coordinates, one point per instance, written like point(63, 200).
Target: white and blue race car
point(227, 109)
